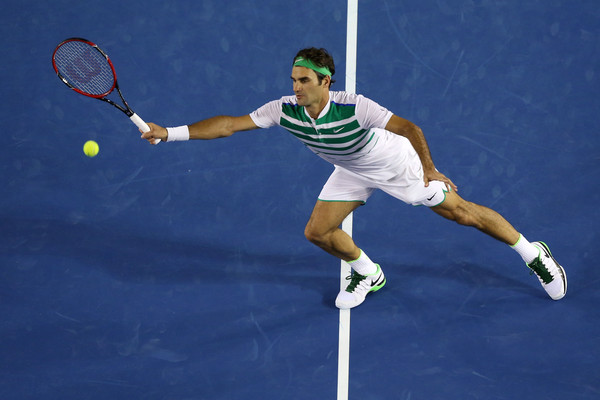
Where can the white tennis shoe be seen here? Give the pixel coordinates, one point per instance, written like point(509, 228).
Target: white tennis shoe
point(550, 273)
point(359, 287)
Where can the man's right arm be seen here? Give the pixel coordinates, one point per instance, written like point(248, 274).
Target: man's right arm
point(211, 128)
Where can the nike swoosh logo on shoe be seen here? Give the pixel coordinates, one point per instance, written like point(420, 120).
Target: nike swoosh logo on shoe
point(380, 280)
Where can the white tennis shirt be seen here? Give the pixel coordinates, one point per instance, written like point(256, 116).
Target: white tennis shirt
point(349, 133)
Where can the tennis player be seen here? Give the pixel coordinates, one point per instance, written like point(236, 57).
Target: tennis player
point(371, 148)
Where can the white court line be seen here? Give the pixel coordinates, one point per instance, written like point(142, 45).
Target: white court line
point(351, 38)
point(344, 329)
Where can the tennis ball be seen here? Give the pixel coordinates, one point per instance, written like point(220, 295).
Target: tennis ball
point(91, 148)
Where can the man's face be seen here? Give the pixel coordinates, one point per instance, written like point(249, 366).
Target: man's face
point(306, 86)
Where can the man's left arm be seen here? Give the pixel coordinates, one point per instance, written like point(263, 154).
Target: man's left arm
point(413, 133)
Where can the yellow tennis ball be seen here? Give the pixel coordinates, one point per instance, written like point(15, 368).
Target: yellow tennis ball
point(91, 148)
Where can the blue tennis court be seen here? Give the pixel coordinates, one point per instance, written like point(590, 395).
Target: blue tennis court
point(181, 271)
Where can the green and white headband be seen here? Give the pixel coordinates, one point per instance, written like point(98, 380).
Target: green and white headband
point(303, 62)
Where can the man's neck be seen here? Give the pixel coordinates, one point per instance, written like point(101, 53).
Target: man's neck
point(315, 109)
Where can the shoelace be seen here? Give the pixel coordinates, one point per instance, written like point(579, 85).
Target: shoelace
point(354, 279)
point(540, 270)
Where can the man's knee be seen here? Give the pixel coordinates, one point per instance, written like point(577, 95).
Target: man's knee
point(313, 234)
point(463, 216)
point(462, 212)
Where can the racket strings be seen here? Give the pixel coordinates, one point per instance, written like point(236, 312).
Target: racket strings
point(84, 68)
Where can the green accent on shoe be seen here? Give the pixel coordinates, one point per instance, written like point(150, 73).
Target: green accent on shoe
point(356, 278)
point(540, 269)
point(546, 247)
point(376, 288)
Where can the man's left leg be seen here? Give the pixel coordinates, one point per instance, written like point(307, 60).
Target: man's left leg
point(488, 221)
point(536, 255)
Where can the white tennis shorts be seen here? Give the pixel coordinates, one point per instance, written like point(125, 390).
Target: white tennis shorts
point(393, 166)
point(344, 185)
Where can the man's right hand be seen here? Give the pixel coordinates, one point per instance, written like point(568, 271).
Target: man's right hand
point(155, 132)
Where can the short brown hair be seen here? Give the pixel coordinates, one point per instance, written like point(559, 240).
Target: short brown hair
point(321, 58)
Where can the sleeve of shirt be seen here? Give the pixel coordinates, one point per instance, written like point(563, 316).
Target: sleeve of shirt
point(370, 114)
point(267, 115)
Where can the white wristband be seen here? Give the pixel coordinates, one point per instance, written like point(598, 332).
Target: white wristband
point(178, 133)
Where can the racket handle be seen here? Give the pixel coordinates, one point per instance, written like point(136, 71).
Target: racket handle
point(141, 125)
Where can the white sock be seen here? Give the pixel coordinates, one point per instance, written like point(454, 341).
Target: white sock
point(526, 250)
point(363, 265)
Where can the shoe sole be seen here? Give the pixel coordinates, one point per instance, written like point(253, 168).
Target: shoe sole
point(563, 274)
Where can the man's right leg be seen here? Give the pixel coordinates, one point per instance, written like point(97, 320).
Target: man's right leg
point(323, 230)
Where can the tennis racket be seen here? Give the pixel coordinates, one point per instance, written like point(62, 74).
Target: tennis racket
point(86, 69)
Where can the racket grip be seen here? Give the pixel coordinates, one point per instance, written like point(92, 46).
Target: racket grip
point(141, 125)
